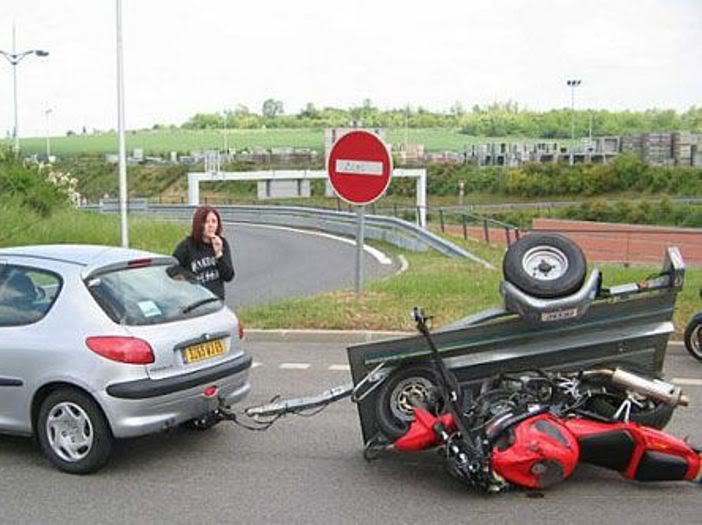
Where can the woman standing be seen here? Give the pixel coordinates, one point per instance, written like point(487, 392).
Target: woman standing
point(205, 253)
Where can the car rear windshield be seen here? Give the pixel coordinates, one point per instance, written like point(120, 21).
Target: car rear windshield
point(151, 295)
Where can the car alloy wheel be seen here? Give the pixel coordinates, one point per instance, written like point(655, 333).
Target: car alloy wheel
point(69, 432)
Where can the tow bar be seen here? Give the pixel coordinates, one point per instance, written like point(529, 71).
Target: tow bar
point(265, 415)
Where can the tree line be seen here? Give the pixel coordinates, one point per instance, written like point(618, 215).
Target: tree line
point(494, 120)
point(626, 173)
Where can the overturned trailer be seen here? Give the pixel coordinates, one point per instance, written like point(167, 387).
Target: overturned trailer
point(519, 395)
point(625, 325)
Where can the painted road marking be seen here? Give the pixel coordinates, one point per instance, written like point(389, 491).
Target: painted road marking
point(256, 364)
point(294, 366)
point(686, 381)
point(339, 368)
point(359, 167)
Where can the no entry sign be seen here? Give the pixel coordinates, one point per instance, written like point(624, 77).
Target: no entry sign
point(359, 167)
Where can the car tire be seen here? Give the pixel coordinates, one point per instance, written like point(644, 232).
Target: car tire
point(73, 432)
point(546, 266)
point(693, 337)
point(655, 414)
point(394, 404)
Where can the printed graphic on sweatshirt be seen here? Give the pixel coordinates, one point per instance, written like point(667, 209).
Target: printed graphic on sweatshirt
point(205, 269)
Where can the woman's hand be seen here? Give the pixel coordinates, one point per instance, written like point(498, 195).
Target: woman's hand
point(217, 245)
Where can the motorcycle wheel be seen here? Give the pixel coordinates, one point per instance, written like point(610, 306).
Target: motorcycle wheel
point(693, 336)
point(648, 412)
point(405, 388)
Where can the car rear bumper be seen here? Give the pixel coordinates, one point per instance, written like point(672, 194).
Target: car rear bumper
point(146, 406)
point(148, 388)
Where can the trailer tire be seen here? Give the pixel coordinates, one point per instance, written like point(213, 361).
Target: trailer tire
point(394, 400)
point(545, 265)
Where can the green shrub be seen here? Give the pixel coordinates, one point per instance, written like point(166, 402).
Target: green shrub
point(28, 186)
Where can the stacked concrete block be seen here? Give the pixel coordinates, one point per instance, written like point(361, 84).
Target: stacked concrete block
point(632, 144)
point(658, 149)
point(607, 145)
point(696, 153)
point(682, 148)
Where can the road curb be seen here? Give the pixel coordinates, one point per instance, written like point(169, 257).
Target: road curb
point(321, 336)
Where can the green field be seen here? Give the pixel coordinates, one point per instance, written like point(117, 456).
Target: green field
point(184, 141)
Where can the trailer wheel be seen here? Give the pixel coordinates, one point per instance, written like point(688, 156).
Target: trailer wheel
point(545, 265)
point(406, 388)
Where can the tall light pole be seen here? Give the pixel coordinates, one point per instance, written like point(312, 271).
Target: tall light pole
point(124, 225)
point(48, 112)
point(572, 84)
point(15, 58)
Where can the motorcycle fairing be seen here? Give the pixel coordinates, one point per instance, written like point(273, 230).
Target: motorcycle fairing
point(542, 452)
point(655, 456)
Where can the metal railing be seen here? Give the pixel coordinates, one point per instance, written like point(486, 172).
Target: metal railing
point(457, 221)
point(394, 230)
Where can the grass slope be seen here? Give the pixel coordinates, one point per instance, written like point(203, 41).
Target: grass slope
point(448, 288)
point(184, 141)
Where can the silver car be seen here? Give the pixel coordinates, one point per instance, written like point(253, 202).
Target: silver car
point(99, 343)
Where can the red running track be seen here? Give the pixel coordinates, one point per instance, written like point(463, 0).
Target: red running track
point(610, 242)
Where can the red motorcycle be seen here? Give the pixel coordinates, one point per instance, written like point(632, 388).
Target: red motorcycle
point(528, 429)
point(531, 430)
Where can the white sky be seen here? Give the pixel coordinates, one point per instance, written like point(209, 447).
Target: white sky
point(186, 56)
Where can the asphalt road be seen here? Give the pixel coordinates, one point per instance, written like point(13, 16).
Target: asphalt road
point(310, 470)
point(273, 264)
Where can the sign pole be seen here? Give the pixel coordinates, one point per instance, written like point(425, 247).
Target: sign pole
point(359, 165)
point(360, 239)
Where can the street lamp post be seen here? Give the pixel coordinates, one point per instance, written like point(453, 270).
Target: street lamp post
point(572, 84)
point(15, 58)
point(123, 194)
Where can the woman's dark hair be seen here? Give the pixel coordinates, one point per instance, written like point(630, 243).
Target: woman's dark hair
point(199, 219)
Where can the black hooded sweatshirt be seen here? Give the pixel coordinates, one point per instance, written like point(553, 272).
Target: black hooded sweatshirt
point(199, 259)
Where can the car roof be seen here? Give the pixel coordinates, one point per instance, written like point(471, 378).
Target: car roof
point(80, 254)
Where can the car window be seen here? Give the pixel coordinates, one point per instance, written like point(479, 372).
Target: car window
point(26, 294)
point(151, 295)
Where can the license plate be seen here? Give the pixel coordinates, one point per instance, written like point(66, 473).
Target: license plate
point(559, 315)
point(202, 351)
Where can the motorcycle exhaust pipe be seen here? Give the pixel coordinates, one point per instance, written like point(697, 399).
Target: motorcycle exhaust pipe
point(654, 388)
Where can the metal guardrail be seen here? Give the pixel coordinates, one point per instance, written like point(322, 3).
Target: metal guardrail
point(394, 230)
point(556, 204)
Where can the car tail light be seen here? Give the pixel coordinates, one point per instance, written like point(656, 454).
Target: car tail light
point(241, 329)
point(122, 349)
